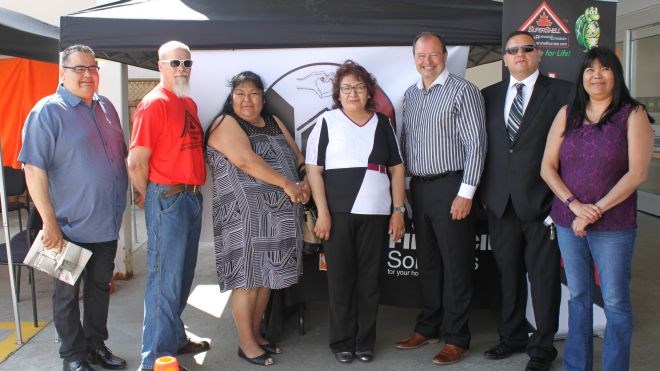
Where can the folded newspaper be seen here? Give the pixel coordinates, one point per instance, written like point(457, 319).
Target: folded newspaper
point(65, 266)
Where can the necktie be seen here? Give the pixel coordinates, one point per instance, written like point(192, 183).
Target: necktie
point(516, 113)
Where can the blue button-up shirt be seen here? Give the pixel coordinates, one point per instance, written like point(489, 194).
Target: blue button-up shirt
point(82, 149)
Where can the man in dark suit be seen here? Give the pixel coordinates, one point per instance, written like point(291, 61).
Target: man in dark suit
point(519, 113)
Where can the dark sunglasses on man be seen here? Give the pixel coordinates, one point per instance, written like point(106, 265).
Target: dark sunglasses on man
point(525, 48)
point(175, 63)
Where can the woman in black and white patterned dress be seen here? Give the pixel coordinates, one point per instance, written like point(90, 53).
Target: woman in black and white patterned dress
point(256, 209)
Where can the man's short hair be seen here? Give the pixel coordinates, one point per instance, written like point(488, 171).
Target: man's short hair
point(517, 33)
point(171, 45)
point(430, 34)
point(77, 48)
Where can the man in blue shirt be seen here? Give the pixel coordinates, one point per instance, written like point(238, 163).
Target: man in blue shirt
point(74, 158)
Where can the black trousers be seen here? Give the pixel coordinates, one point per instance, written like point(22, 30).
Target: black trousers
point(77, 339)
point(445, 257)
point(353, 255)
point(524, 247)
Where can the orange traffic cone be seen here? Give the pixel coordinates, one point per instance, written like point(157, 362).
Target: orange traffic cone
point(166, 363)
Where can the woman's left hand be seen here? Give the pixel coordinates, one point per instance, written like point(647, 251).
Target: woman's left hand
point(397, 227)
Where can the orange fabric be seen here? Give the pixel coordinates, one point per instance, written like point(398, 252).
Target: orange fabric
point(169, 126)
point(23, 83)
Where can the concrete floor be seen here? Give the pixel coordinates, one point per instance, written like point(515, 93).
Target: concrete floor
point(207, 316)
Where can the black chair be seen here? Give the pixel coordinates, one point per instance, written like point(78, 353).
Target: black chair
point(20, 245)
point(15, 186)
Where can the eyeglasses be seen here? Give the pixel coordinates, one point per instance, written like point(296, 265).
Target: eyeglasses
point(82, 69)
point(347, 89)
point(525, 48)
point(175, 63)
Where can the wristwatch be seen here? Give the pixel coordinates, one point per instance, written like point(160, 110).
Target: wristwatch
point(401, 208)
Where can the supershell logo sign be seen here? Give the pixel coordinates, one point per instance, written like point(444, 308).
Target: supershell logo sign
point(402, 256)
point(301, 95)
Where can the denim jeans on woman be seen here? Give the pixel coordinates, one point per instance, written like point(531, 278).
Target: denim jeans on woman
point(173, 228)
point(612, 253)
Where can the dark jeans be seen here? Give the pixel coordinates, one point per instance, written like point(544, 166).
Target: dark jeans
point(77, 339)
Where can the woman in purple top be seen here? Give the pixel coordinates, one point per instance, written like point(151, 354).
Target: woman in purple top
point(597, 154)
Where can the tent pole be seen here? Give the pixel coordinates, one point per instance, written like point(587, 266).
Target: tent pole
point(10, 265)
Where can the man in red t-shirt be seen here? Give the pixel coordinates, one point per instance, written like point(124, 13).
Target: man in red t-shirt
point(166, 166)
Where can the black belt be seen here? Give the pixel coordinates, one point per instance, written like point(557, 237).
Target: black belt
point(430, 178)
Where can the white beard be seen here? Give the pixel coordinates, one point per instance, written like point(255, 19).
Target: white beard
point(181, 88)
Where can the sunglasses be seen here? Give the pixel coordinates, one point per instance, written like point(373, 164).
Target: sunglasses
point(514, 49)
point(175, 63)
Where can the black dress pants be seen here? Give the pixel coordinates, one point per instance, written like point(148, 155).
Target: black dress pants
point(353, 255)
point(525, 247)
point(77, 339)
point(445, 257)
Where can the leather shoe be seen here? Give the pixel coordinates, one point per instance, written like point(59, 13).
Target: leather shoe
point(538, 364)
point(502, 350)
point(104, 356)
point(78, 365)
point(194, 347)
point(414, 341)
point(344, 357)
point(365, 356)
point(450, 354)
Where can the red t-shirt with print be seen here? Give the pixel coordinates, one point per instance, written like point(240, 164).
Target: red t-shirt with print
point(169, 126)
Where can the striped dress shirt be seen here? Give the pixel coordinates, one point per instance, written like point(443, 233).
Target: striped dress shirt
point(444, 130)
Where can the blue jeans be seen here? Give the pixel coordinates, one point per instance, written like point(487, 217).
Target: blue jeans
point(612, 253)
point(173, 227)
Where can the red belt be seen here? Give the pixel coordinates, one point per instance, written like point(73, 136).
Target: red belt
point(377, 167)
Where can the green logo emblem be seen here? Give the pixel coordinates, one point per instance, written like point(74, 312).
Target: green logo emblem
point(587, 29)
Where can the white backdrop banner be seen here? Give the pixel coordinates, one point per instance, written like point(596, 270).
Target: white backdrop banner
point(298, 85)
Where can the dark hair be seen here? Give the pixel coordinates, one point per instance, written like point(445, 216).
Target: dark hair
point(430, 34)
point(228, 108)
point(517, 33)
point(351, 68)
point(620, 96)
point(77, 48)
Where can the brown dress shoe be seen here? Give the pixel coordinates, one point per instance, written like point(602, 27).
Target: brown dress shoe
point(414, 341)
point(450, 354)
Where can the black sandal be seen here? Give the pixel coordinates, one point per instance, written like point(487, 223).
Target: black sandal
point(271, 348)
point(260, 360)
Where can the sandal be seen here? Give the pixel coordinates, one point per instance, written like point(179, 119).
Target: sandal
point(260, 360)
point(271, 348)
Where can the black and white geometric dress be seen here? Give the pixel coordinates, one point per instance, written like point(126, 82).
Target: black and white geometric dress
point(256, 228)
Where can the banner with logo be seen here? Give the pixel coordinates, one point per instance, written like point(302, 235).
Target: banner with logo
point(563, 29)
point(298, 86)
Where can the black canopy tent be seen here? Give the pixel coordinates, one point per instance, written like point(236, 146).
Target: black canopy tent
point(25, 37)
point(130, 31)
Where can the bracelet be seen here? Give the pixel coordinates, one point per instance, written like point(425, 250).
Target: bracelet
point(569, 200)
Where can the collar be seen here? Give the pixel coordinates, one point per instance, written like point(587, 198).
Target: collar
point(72, 99)
point(529, 81)
point(440, 80)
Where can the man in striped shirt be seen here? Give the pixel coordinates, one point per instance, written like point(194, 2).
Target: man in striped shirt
point(444, 144)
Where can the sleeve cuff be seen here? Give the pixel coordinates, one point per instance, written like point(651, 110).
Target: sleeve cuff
point(467, 191)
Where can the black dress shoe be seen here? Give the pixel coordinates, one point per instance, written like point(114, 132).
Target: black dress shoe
point(79, 365)
point(104, 356)
point(344, 357)
point(365, 356)
point(538, 364)
point(502, 350)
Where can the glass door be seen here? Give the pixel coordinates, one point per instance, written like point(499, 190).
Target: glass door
point(644, 84)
